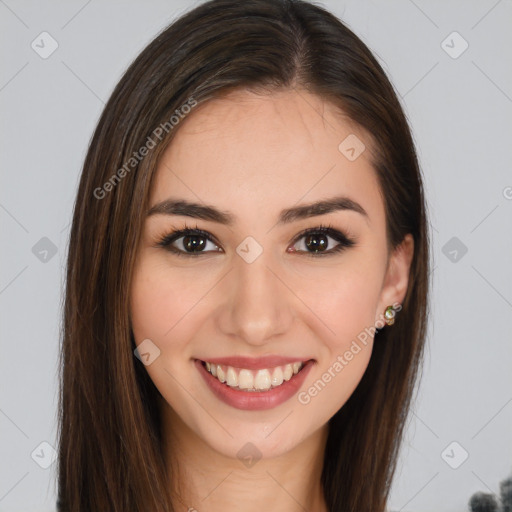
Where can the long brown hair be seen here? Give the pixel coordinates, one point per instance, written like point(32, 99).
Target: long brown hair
point(110, 456)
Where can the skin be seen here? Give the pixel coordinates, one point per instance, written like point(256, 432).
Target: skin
point(254, 155)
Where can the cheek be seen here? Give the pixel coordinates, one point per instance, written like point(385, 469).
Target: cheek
point(161, 302)
point(349, 309)
point(149, 300)
point(345, 302)
point(162, 310)
point(168, 305)
point(345, 351)
point(345, 299)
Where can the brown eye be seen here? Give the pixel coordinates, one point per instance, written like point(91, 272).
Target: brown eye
point(194, 243)
point(189, 242)
point(316, 242)
point(322, 241)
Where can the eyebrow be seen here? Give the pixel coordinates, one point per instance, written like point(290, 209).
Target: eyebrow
point(286, 216)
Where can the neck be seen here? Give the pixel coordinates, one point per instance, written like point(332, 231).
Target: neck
point(203, 479)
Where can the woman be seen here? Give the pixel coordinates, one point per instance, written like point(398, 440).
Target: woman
point(246, 298)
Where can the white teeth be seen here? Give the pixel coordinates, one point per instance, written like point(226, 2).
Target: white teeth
point(262, 380)
point(254, 380)
point(277, 377)
point(245, 379)
point(231, 378)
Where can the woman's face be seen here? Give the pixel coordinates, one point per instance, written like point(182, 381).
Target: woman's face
point(260, 295)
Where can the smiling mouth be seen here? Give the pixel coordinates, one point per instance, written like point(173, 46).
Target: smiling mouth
point(243, 379)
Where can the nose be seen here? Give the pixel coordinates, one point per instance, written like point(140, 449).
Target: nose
point(256, 305)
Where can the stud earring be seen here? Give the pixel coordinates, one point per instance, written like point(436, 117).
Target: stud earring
point(389, 315)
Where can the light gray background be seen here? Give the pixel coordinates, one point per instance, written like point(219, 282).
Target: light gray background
point(460, 110)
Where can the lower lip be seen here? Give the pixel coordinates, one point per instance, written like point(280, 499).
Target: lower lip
point(254, 400)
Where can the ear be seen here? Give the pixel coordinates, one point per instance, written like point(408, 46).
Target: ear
point(396, 280)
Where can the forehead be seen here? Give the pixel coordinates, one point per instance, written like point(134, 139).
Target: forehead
point(274, 149)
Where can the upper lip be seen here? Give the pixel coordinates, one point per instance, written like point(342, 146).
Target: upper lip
point(255, 363)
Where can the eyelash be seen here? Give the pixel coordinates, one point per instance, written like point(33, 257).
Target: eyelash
point(343, 240)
